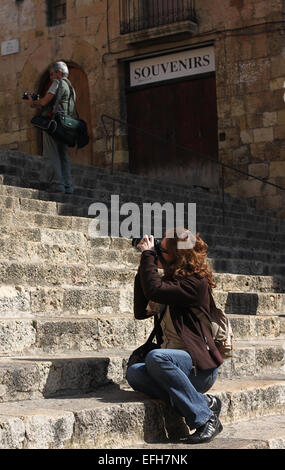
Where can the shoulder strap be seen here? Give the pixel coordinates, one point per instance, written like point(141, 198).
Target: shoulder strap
point(157, 324)
point(72, 94)
point(58, 96)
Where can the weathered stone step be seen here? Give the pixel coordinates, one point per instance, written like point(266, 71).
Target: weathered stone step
point(28, 167)
point(248, 254)
point(46, 235)
point(22, 335)
point(48, 274)
point(112, 418)
point(97, 332)
point(43, 235)
point(238, 266)
point(44, 273)
point(42, 220)
point(49, 289)
point(248, 283)
point(25, 300)
point(72, 203)
point(46, 375)
point(261, 433)
point(251, 303)
point(39, 252)
point(254, 357)
point(247, 327)
point(43, 244)
point(34, 200)
point(68, 237)
point(67, 253)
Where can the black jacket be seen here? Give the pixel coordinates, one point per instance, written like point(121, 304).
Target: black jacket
point(181, 295)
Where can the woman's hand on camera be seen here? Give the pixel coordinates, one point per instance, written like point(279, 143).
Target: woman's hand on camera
point(146, 243)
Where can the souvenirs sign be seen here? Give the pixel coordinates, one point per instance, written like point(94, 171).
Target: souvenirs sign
point(172, 66)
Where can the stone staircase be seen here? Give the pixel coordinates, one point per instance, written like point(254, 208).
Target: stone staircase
point(67, 327)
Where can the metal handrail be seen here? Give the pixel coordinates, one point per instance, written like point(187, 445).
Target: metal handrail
point(180, 147)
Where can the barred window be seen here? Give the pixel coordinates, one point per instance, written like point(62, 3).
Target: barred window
point(136, 15)
point(56, 12)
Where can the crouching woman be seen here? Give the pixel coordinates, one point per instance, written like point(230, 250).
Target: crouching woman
point(185, 365)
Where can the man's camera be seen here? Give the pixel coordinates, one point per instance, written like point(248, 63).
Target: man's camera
point(26, 95)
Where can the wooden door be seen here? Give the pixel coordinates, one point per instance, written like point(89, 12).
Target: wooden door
point(79, 81)
point(181, 114)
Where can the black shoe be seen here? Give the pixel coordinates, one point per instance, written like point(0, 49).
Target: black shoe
point(215, 404)
point(207, 432)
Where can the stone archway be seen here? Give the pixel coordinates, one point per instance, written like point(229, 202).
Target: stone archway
point(79, 81)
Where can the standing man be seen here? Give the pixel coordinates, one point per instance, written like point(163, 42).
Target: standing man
point(59, 177)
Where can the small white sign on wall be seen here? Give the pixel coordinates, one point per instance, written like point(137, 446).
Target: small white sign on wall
point(10, 47)
point(172, 66)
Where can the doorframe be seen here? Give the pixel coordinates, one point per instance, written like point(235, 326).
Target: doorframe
point(129, 90)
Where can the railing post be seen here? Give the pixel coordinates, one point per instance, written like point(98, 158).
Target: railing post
point(113, 146)
point(223, 192)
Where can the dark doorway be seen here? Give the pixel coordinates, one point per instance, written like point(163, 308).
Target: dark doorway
point(182, 113)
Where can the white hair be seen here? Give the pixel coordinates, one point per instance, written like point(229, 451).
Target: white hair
point(62, 67)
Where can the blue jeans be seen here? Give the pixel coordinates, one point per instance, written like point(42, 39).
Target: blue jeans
point(168, 374)
point(59, 162)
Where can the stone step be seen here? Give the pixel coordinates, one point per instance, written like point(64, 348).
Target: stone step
point(96, 332)
point(251, 303)
point(11, 271)
point(247, 327)
point(65, 253)
point(73, 333)
point(54, 274)
point(49, 237)
point(267, 432)
point(31, 218)
point(42, 375)
point(207, 211)
point(253, 267)
point(204, 207)
point(54, 288)
point(113, 418)
point(36, 243)
point(46, 235)
point(84, 176)
point(248, 283)
point(42, 243)
point(16, 208)
point(26, 169)
point(36, 219)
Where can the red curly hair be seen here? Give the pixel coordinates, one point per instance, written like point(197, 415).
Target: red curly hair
point(185, 262)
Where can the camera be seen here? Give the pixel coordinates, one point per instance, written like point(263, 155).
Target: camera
point(135, 242)
point(157, 248)
point(26, 95)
